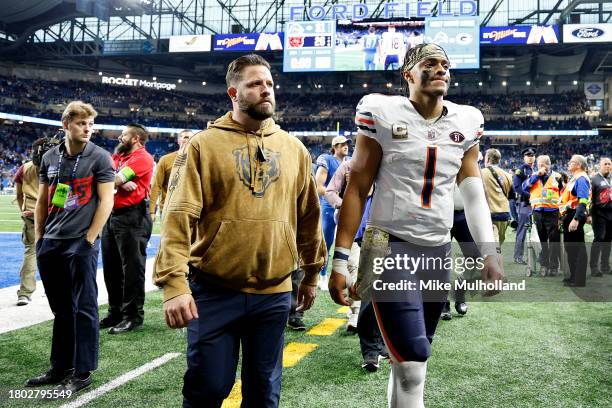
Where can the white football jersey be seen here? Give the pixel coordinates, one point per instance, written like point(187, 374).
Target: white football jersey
point(413, 199)
point(392, 43)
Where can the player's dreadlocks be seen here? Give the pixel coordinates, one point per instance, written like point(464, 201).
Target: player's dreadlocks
point(417, 53)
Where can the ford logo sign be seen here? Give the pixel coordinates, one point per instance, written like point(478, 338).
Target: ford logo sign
point(588, 32)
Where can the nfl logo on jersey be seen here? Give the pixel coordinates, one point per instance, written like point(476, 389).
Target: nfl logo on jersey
point(431, 134)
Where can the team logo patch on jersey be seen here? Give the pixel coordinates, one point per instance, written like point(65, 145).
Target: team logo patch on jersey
point(399, 131)
point(456, 137)
point(431, 134)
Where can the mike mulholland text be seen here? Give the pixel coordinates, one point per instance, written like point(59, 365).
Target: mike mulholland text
point(478, 285)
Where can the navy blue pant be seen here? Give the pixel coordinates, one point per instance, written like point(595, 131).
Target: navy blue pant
point(227, 320)
point(68, 271)
point(408, 318)
point(524, 220)
point(329, 230)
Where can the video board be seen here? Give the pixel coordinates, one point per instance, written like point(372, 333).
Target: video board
point(375, 45)
point(459, 36)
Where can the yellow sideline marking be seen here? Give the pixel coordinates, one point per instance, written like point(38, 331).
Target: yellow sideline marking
point(292, 355)
point(294, 352)
point(234, 398)
point(343, 310)
point(326, 327)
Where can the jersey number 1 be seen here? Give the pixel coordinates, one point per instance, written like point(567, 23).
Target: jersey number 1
point(429, 176)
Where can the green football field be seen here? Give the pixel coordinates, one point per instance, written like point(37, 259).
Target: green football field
point(501, 354)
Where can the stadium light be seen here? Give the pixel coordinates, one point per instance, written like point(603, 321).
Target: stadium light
point(155, 78)
point(456, 83)
point(389, 84)
point(277, 86)
point(365, 85)
point(179, 80)
point(299, 86)
point(528, 83)
point(99, 72)
point(127, 75)
point(480, 84)
point(341, 85)
point(203, 83)
point(549, 82)
point(575, 82)
point(504, 83)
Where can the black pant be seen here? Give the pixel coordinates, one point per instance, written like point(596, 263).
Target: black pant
point(602, 231)
point(461, 232)
point(575, 249)
point(124, 254)
point(296, 279)
point(547, 224)
point(68, 271)
point(370, 340)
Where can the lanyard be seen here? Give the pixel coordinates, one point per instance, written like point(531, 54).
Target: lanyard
point(74, 169)
point(605, 179)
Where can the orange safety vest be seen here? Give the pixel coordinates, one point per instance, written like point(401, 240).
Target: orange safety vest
point(568, 200)
point(546, 196)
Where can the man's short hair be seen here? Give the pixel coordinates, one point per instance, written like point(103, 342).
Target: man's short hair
point(545, 158)
point(581, 160)
point(492, 156)
point(140, 131)
point(185, 131)
point(235, 68)
point(78, 109)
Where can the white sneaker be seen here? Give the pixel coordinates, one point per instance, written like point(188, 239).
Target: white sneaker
point(323, 281)
point(23, 300)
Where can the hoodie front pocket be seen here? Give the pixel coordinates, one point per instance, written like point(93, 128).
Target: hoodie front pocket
point(256, 253)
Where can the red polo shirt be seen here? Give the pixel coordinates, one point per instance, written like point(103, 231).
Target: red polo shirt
point(141, 163)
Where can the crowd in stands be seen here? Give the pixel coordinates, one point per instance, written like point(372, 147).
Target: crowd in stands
point(15, 142)
point(295, 110)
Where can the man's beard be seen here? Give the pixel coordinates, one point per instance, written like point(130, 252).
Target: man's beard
point(255, 111)
point(123, 148)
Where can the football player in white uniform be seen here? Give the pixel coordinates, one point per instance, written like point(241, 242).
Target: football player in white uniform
point(393, 47)
point(415, 148)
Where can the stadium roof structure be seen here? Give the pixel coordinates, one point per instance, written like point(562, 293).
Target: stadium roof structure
point(74, 34)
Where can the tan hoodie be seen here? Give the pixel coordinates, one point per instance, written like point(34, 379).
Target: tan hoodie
point(244, 221)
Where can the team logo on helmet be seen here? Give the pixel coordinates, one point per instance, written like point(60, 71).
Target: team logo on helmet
point(267, 169)
point(456, 137)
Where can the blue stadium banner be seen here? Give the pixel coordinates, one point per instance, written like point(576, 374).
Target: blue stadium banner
point(248, 42)
point(459, 38)
point(520, 35)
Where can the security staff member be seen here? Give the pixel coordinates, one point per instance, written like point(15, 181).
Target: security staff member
point(573, 207)
point(127, 232)
point(544, 186)
point(524, 212)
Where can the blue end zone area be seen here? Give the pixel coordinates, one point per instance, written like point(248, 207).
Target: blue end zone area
point(11, 257)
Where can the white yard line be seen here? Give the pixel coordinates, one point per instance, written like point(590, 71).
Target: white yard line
point(86, 398)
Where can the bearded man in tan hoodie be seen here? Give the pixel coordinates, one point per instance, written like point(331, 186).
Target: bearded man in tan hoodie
point(242, 213)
